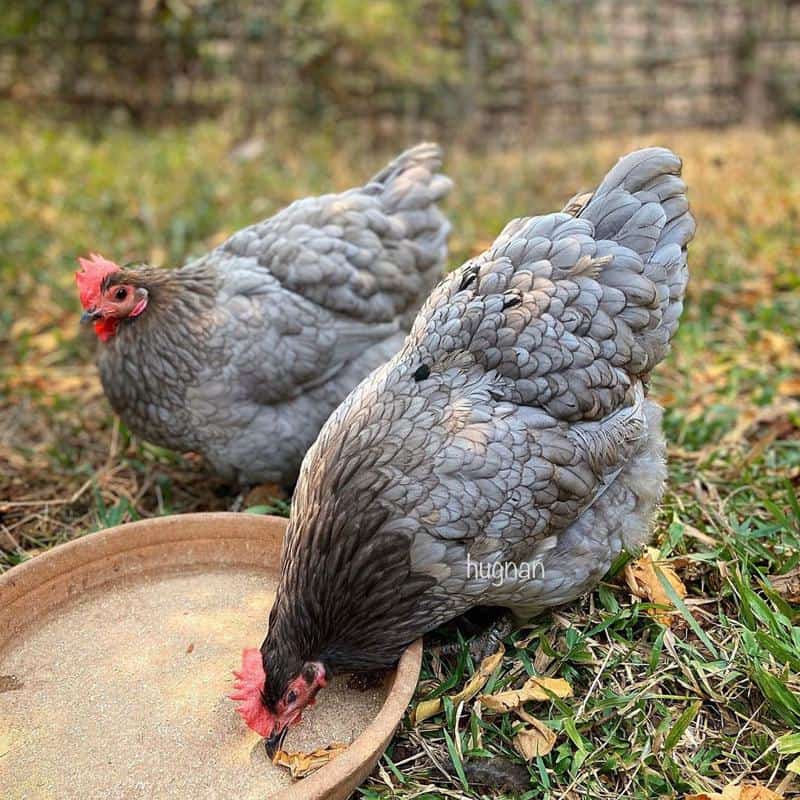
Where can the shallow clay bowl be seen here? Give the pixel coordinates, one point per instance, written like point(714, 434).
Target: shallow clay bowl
point(35, 594)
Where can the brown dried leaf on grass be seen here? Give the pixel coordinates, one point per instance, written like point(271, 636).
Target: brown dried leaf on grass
point(789, 387)
point(535, 688)
point(738, 791)
point(768, 421)
point(752, 292)
point(642, 580)
point(535, 740)
point(788, 585)
point(429, 708)
point(777, 345)
point(300, 765)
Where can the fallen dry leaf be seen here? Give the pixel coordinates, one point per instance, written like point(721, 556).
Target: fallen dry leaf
point(776, 345)
point(774, 417)
point(477, 730)
point(738, 791)
point(429, 708)
point(534, 689)
point(478, 680)
point(426, 709)
point(536, 740)
point(642, 580)
point(703, 538)
point(790, 387)
point(300, 765)
point(788, 585)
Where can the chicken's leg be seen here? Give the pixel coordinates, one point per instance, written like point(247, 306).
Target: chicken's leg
point(486, 627)
point(490, 642)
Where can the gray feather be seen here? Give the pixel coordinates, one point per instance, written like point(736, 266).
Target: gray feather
point(290, 315)
point(511, 428)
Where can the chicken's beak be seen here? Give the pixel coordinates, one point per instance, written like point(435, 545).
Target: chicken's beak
point(90, 315)
point(274, 743)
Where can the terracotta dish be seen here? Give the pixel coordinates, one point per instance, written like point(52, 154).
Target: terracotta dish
point(115, 658)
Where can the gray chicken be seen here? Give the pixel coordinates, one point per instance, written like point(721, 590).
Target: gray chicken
point(243, 354)
point(504, 457)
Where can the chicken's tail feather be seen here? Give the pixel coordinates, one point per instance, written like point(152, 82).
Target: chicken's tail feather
point(410, 187)
point(642, 205)
point(569, 310)
point(424, 156)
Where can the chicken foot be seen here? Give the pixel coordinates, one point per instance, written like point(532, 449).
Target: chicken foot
point(483, 641)
point(489, 643)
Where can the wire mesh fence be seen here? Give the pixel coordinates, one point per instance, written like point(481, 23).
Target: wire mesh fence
point(475, 68)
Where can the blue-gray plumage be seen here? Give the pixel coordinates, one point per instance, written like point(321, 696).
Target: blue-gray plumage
point(513, 428)
point(243, 354)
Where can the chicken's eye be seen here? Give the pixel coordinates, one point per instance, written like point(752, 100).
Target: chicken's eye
point(121, 293)
point(291, 696)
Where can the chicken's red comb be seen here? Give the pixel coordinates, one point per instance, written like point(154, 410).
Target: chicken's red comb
point(249, 685)
point(93, 270)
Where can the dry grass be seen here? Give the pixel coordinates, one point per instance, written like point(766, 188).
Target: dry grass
point(657, 712)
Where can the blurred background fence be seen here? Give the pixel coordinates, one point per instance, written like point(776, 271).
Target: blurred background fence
point(474, 69)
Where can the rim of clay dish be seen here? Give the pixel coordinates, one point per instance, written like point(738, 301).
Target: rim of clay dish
point(35, 588)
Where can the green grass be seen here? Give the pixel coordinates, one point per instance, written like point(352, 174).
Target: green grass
point(657, 712)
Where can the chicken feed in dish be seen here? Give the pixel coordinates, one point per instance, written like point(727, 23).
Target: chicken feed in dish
point(124, 694)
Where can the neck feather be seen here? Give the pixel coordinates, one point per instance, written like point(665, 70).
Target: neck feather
point(172, 295)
